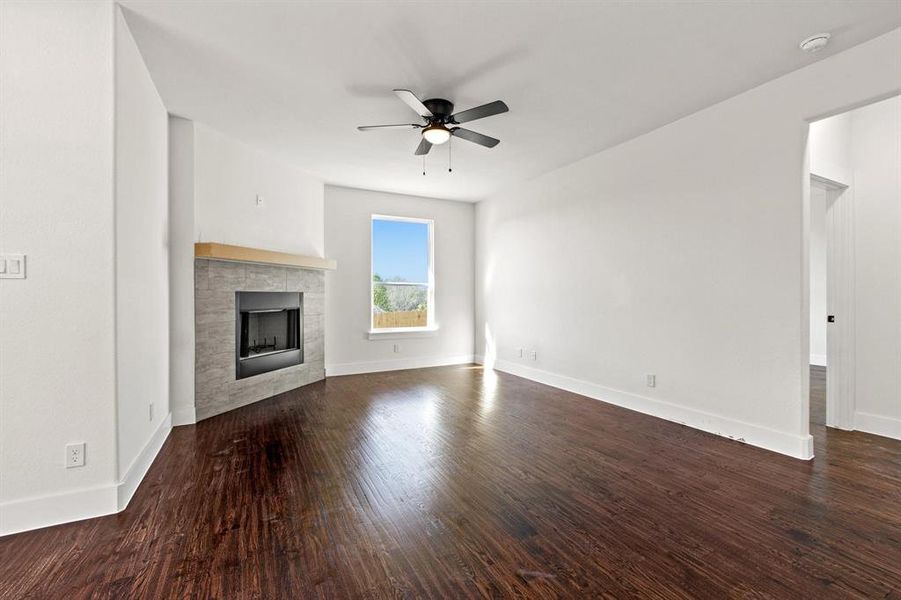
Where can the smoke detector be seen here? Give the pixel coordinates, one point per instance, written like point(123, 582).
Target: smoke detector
point(815, 43)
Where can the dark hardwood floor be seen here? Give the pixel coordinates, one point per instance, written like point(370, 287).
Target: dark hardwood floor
point(817, 395)
point(455, 483)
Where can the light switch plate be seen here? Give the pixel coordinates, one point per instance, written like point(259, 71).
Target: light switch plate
point(12, 266)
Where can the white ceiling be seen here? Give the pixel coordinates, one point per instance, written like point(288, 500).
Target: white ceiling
point(297, 78)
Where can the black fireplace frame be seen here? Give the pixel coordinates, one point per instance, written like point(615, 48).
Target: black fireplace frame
point(253, 302)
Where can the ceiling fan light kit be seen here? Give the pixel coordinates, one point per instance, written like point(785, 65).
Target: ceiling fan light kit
point(436, 134)
point(440, 121)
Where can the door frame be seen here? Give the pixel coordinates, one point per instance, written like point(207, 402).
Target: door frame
point(840, 302)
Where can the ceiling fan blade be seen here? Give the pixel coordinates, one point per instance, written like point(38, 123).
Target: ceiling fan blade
point(399, 126)
point(413, 102)
point(480, 112)
point(423, 148)
point(472, 136)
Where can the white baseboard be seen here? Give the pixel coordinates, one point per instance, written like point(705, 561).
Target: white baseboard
point(139, 467)
point(183, 415)
point(796, 446)
point(376, 366)
point(889, 427)
point(818, 360)
point(55, 509)
point(75, 505)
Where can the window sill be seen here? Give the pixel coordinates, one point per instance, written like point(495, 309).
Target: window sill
point(402, 332)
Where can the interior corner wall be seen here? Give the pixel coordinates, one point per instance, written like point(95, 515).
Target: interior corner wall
point(680, 253)
point(348, 348)
point(57, 355)
point(181, 270)
point(214, 181)
point(229, 175)
point(142, 262)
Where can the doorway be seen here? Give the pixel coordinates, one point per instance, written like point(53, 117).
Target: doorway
point(855, 270)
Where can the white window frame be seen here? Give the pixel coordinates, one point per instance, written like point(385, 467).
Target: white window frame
point(431, 325)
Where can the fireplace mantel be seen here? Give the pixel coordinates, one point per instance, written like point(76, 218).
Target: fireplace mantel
point(217, 251)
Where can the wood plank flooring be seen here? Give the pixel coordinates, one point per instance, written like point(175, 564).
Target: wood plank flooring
point(455, 483)
point(817, 395)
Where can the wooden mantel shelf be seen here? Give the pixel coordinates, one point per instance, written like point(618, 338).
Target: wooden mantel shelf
point(256, 255)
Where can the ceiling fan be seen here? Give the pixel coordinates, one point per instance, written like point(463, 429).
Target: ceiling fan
point(440, 121)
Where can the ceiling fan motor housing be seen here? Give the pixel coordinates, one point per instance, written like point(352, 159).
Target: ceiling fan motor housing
point(441, 108)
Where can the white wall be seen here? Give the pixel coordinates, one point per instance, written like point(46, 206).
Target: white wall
point(57, 361)
point(142, 258)
point(181, 270)
point(680, 253)
point(876, 160)
point(348, 348)
point(83, 340)
point(830, 148)
point(230, 174)
point(818, 312)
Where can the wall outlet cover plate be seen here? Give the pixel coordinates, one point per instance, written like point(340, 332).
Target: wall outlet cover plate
point(74, 455)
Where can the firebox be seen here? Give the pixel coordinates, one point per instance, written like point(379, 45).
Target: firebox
point(268, 332)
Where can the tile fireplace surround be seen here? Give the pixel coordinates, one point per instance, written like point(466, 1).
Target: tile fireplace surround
point(216, 390)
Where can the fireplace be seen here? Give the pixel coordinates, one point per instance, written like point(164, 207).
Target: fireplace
point(268, 332)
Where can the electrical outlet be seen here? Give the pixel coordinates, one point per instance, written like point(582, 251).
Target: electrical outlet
point(533, 354)
point(259, 200)
point(520, 352)
point(396, 348)
point(652, 380)
point(74, 455)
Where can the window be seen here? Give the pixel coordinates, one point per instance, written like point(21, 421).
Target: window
point(402, 282)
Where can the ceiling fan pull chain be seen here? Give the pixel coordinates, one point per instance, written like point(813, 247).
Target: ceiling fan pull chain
point(449, 164)
point(423, 165)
